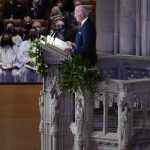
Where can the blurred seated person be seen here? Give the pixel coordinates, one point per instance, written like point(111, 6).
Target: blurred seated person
point(29, 74)
point(8, 59)
point(65, 14)
point(13, 10)
point(41, 3)
point(40, 30)
point(27, 25)
point(55, 11)
point(35, 11)
point(10, 29)
point(62, 32)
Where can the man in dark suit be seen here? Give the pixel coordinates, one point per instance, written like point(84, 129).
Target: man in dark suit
point(13, 10)
point(85, 41)
point(35, 11)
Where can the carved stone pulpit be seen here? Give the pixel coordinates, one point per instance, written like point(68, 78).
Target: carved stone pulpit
point(56, 106)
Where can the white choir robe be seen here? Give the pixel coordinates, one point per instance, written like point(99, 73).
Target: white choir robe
point(8, 59)
point(28, 73)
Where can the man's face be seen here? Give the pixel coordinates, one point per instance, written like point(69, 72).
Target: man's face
point(78, 15)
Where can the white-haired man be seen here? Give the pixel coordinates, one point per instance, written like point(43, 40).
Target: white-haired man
point(85, 41)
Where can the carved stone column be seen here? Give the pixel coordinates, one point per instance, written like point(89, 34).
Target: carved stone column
point(105, 114)
point(55, 120)
point(41, 126)
point(144, 24)
point(82, 128)
point(57, 106)
point(121, 96)
point(123, 120)
point(88, 119)
point(77, 127)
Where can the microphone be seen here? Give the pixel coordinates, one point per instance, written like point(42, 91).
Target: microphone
point(54, 33)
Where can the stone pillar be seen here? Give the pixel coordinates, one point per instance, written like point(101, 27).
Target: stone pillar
point(120, 101)
point(79, 120)
point(55, 122)
point(127, 27)
point(144, 12)
point(116, 26)
point(105, 26)
point(105, 114)
point(41, 125)
point(138, 27)
point(88, 119)
point(52, 96)
point(123, 120)
point(148, 28)
point(82, 128)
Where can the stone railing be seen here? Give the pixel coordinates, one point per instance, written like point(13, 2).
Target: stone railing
point(124, 67)
point(130, 102)
point(115, 117)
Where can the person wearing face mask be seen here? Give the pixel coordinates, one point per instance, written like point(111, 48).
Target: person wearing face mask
point(9, 66)
point(28, 72)
point(27, 25)
point(38, 26)
point(63, 33)
point(55, 11)
point(10, 29)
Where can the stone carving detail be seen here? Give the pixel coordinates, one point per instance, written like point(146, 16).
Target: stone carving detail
point(111, 72)
point(77, 127)
point(98, 97)
point(125, 123)
point(136, 101)
point(41, 106)
point(121, 97)
point(112, 99)
point(137, 73)
point(54, 110)
point(79, 116)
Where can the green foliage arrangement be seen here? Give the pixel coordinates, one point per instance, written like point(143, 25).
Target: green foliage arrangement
point(36, 54)
point(78, 74)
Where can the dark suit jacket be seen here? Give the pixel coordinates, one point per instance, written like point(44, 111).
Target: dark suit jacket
point(16, 9)
point(37, 13)
point(85, 41)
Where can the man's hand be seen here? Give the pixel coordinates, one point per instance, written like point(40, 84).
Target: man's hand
point(68, 50)
point(69, 44)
